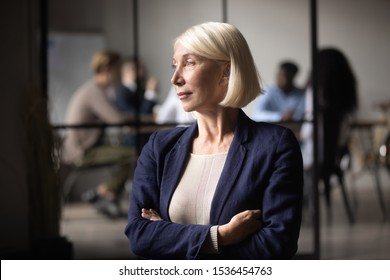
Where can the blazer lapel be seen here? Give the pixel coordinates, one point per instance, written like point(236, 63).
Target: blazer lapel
point(231, 170)
point(174, 167)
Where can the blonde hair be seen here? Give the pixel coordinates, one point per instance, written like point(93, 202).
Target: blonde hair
point(104, 59)
point(224, 42)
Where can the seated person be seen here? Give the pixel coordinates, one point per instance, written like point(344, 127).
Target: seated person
point(282, 101)
point(90, 104)
point(337, 90)
point(135, 95)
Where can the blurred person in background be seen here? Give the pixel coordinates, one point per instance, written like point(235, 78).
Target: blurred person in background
point(90, 104)
point(136, 94)
point(282, 101)
point(337, 103)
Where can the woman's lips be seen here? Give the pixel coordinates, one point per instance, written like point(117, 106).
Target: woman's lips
point(183, 95)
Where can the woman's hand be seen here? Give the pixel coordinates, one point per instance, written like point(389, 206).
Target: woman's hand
point(240, 227)
point(150, 214)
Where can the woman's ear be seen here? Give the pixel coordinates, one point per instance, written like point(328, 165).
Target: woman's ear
point(226, 71)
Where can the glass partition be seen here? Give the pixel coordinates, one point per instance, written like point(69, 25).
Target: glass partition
point(275, 30)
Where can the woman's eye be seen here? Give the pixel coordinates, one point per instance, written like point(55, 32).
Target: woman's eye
point(189, 63)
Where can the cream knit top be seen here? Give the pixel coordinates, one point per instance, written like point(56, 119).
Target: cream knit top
point(191, 201)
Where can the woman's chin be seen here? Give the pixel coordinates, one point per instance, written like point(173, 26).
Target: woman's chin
point(187, 108)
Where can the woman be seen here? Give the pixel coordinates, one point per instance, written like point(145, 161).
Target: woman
point(226, 187)
point(337, 103)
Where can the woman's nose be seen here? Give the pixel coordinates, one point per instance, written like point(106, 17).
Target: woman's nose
point(177, 78)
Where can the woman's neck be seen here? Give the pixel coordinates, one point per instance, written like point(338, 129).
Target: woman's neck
point(215, 130)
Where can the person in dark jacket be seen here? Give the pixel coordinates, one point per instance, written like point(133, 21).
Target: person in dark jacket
point(225, 187)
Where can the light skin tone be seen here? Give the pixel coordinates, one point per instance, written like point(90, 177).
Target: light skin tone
point(201, 85)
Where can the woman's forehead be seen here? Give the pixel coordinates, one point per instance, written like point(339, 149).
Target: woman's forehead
point(181, 52)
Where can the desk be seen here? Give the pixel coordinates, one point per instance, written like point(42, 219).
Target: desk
point(367, 137)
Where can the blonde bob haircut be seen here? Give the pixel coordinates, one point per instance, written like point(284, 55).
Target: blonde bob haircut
point(224, 42)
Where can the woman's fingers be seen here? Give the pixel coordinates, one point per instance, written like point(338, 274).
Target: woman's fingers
point(240, 227)
point(246, 215)
point(150, 214)
point(256, 213)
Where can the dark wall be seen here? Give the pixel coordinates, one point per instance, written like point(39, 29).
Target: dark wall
point(76, 15)
point(15, 77)
point(29, 201)
point(112, 19)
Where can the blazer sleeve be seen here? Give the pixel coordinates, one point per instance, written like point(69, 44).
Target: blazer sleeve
point(158, 239)
point(281, 209)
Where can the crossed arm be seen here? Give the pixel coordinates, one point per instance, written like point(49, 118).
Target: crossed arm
point(239, 227)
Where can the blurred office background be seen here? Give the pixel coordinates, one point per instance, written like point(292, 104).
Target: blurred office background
point(275, 30)
point(47, 48)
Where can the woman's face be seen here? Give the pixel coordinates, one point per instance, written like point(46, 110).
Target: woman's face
point(200, 83)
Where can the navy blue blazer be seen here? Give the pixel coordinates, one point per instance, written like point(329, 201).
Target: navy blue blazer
point(263, 170)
